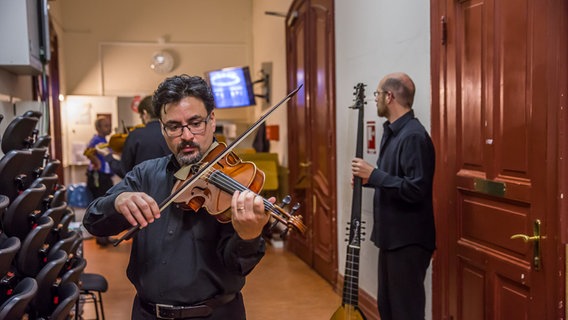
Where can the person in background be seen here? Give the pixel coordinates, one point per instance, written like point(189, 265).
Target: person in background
point(99, 173)
point(184, 264)
point(141, 144)
point(403, 227)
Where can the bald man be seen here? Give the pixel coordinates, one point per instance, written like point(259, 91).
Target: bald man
point(403, 215)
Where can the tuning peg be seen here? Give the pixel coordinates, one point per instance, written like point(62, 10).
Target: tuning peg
point(286, 201)
point(294, 208)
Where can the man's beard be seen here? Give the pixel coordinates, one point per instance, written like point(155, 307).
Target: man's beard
point(188, 159)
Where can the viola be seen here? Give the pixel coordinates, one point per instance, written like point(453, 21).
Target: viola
point(215, 188)
point(116, 141)
point(216, 177)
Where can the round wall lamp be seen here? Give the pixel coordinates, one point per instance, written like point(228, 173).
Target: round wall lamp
point(162, 62)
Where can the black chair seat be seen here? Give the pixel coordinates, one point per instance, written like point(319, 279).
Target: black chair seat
point(93, 282)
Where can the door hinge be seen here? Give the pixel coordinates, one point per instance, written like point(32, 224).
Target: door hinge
point(444, 30)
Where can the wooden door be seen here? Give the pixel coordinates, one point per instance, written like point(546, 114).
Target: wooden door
point(311, 132)
point(495, 111)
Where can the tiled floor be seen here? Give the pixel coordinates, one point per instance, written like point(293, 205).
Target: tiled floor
point(282, 287)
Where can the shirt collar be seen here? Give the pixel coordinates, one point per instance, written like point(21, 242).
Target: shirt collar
point(399, 123)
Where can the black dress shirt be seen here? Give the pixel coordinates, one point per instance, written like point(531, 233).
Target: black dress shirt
point(185, 256)
point(141, 144)
point(402, 209)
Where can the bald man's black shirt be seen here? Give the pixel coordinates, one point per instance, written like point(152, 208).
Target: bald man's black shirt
point(402, 204)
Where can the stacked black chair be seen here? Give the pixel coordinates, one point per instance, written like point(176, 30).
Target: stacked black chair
point(4, 203)
point(19, 134)
point(13, 178)
point(51, 167)
point(68, 217)
point(16, 305)
point(21, 214)
point(67, 294)
point(8, 250)
point(42, 305)
point(42, 141)
point(51, 185)
point(41, 267)
point(59, 196)
point(65, 244)
point(73, 270)
point(32, 255)
point(57, 214)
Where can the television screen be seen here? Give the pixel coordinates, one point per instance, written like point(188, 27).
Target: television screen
point(232, 87)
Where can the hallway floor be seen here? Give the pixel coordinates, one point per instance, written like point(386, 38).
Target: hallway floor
point(281, 287)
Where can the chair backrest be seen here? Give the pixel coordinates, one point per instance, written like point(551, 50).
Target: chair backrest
point(19, 134)
point(18, 218)
point(51, 167)
point(12, 176)
point(46, 278)
point(37, 163)
point(67, 294)
point(68, 217)
point(32, 114)
point(32, 255)
point(77, 246)
point(4, 203)
point(42, 141)
point(59, 196)
point(64, 244)
point(15, 306)
point(72, 272)
point(8, 250)
point(50, 183)
point(56, 213)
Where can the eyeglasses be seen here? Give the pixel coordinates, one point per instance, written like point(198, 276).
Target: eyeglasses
point(376, 93)
point(174, 130)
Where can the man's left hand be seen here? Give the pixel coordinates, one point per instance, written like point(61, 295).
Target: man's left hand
point(248, 214)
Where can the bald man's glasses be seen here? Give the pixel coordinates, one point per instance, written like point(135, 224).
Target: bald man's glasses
point(376, 93)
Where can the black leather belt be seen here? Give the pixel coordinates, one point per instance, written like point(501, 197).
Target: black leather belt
point(202, 309)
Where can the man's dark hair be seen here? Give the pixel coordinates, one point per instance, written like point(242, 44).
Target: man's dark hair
point(146, 105)
point(175, 88)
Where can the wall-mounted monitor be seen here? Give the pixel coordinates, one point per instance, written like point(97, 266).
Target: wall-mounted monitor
point(232, 87)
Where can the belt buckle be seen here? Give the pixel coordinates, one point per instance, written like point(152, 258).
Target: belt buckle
point(158, 307)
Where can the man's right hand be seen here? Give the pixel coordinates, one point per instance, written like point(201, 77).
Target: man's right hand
point(137, 207)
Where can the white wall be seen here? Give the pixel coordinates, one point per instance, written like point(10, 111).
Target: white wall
point(374, 38)
point(269, 45)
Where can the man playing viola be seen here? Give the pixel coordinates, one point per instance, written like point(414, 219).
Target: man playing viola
point(183, 264)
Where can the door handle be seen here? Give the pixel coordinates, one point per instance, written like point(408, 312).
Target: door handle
point(305, 164)
point(535, 239)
